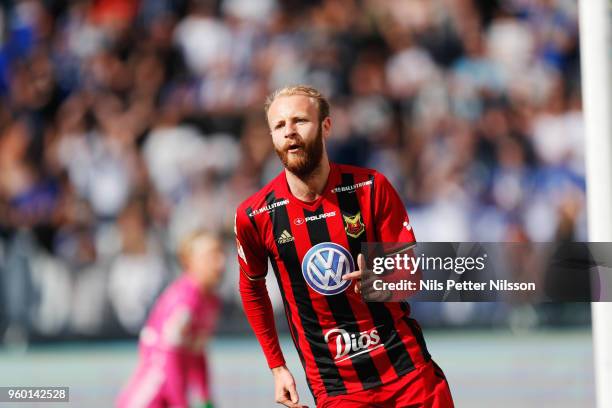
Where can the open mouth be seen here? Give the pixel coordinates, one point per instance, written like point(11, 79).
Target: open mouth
point(294, 148)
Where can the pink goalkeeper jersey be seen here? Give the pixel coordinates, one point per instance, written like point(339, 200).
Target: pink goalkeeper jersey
point(172, 370)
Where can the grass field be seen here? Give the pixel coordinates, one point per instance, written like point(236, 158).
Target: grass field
point(484, 369)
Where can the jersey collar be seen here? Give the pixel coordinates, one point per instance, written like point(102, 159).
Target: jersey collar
point(332, 180)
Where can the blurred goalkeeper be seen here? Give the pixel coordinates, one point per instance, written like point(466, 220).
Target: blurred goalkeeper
point(172, 370)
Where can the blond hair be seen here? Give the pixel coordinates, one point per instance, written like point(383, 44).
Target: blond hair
point(186, 244)
point(305, 90)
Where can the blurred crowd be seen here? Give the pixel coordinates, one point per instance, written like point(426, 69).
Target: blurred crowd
point(125, 124)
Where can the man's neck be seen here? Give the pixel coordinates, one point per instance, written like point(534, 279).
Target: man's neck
point(311, 187)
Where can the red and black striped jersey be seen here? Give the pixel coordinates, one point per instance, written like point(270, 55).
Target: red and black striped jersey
point(344, 343)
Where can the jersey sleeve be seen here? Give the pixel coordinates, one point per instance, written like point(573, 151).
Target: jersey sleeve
point(252, 257)
point(390, 216)
point(176, 327)
point(393, 229)
point(252, 254)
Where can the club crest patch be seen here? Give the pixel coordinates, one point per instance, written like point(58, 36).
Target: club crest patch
point(353, 225)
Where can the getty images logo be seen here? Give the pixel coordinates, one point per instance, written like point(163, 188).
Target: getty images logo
point(349, 345)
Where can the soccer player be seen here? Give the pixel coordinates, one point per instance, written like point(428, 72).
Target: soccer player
point(310, 222)
point(172, 369)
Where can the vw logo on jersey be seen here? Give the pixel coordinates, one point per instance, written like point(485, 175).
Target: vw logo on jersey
point(324, 265)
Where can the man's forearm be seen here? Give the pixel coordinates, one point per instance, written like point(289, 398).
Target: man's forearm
point(258, 309)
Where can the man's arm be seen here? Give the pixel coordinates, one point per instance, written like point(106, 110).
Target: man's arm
point(258, 310)
point(258, 307)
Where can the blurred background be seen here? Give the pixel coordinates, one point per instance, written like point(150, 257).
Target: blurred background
point(126, 124)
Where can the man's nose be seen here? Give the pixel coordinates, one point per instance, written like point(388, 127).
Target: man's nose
point(290, 129)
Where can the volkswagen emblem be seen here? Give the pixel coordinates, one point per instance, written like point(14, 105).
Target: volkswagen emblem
point(324, 265)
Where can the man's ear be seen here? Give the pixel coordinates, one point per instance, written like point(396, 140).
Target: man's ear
point(326, 126)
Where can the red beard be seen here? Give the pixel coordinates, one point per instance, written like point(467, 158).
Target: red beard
point(303, 162)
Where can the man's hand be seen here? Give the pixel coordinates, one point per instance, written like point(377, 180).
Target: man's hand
point(370, 294)
point(284, 388)
point(356, 276)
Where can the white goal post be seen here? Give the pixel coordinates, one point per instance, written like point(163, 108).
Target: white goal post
point(596, 67)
